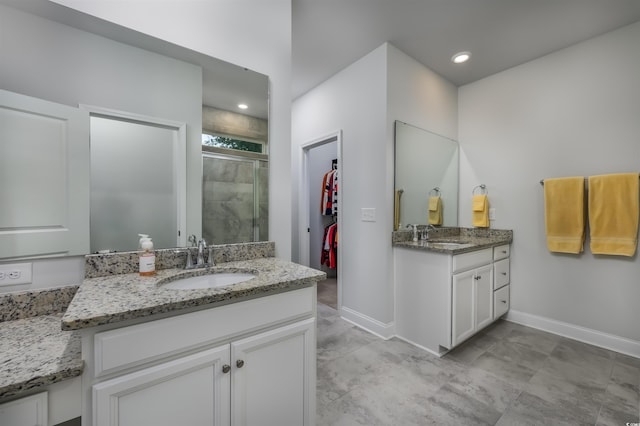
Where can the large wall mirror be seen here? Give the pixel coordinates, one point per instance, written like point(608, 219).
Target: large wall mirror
point(155, 111)
point(426, 164)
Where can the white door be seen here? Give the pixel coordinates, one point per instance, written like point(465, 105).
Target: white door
point(273, 375)
point(484, 296)
point(462, 313)
point(44, 178)
point(192, 390)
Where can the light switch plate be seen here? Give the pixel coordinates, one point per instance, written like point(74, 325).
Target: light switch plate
point(368, 214)
point(15, 273)
point(492, 214)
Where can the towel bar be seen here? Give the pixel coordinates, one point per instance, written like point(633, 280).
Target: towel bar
point(483, 189)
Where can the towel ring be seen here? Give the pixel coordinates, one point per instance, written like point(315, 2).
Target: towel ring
point(483, 189)
point(434, 191)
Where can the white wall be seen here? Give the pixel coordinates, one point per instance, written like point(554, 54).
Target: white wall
point(65, 65)
point(364, 100)
point(251, 33)
point(354, 101)
point(421, 98)
point(574, 112)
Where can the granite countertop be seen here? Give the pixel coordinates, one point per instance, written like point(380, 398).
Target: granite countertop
point(467, 239)
point(34, 352)
point(115, 298)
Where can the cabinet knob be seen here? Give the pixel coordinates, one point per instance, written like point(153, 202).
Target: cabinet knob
point(504, 273)
point(478, 277)
point(226, 368)
point(503, 301)
point(239, 363)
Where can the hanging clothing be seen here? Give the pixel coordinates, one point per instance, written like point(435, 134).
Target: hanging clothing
point(329, 256)
point(329, 200)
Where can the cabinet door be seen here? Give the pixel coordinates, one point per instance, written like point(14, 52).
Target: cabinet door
point(483, 296)
point(273, 381)
point(28, 411)
point(44, 190)
point(463, 309)
point(192, 390)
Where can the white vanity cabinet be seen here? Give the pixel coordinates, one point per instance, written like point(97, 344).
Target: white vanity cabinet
point(502, 279)
point(443, 299)
point(247, 363)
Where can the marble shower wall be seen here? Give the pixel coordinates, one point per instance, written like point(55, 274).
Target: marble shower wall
point(229, 187)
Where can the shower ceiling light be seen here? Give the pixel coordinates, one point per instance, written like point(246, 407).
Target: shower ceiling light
point(243, 106)
point(460, 57)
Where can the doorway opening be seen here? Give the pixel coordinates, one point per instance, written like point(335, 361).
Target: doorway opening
point(320, 214)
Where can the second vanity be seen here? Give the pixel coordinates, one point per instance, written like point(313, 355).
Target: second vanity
point(233, 355)
point(450, 287)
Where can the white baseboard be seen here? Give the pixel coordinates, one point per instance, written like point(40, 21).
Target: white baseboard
point(586, 335)
point(373, 326)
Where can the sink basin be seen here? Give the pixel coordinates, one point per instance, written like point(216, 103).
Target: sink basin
point(217, 279)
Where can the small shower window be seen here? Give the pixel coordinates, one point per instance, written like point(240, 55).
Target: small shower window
point(231, 143)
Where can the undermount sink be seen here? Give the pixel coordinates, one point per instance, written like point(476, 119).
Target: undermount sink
point(213, 280)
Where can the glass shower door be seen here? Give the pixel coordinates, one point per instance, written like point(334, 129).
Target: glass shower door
point(234, 199)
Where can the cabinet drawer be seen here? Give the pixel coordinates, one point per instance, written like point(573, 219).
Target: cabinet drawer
point(500, 273)
point(500, 252)
point(500, 302)
point(462, 262)
point(134, 345)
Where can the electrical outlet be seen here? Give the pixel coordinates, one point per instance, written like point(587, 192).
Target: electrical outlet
point(15, 273)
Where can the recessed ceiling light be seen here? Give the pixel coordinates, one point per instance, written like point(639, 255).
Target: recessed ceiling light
point(460, 57)
point(243, 106)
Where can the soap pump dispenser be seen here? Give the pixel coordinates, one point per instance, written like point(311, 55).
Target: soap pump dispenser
point(147, 257)
point(415, 232)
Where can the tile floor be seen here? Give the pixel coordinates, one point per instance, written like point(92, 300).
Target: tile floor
point(328, 292)
point(508, 374)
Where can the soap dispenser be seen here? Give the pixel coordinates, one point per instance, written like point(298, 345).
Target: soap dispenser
point(415, 232)
point(147, 257)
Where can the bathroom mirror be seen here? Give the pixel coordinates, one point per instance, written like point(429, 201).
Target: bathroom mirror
point(425, 164)
point(74, 59)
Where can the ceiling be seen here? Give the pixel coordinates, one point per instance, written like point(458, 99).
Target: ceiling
point(329, 35)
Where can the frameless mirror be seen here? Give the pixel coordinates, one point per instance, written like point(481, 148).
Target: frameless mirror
point(78, 60)
point(426, 164)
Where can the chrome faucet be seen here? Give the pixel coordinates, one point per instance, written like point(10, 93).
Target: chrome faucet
point(200, 259)
point(202, 246)
point(425, 231)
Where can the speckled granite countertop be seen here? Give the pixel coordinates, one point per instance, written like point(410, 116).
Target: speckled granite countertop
point(34, 352)
point(467, 239)
point(115, 298)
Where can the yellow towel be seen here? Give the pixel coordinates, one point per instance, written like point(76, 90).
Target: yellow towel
point(564, 214)
point(435, 210)
point(613, 213)
point(480, 211)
